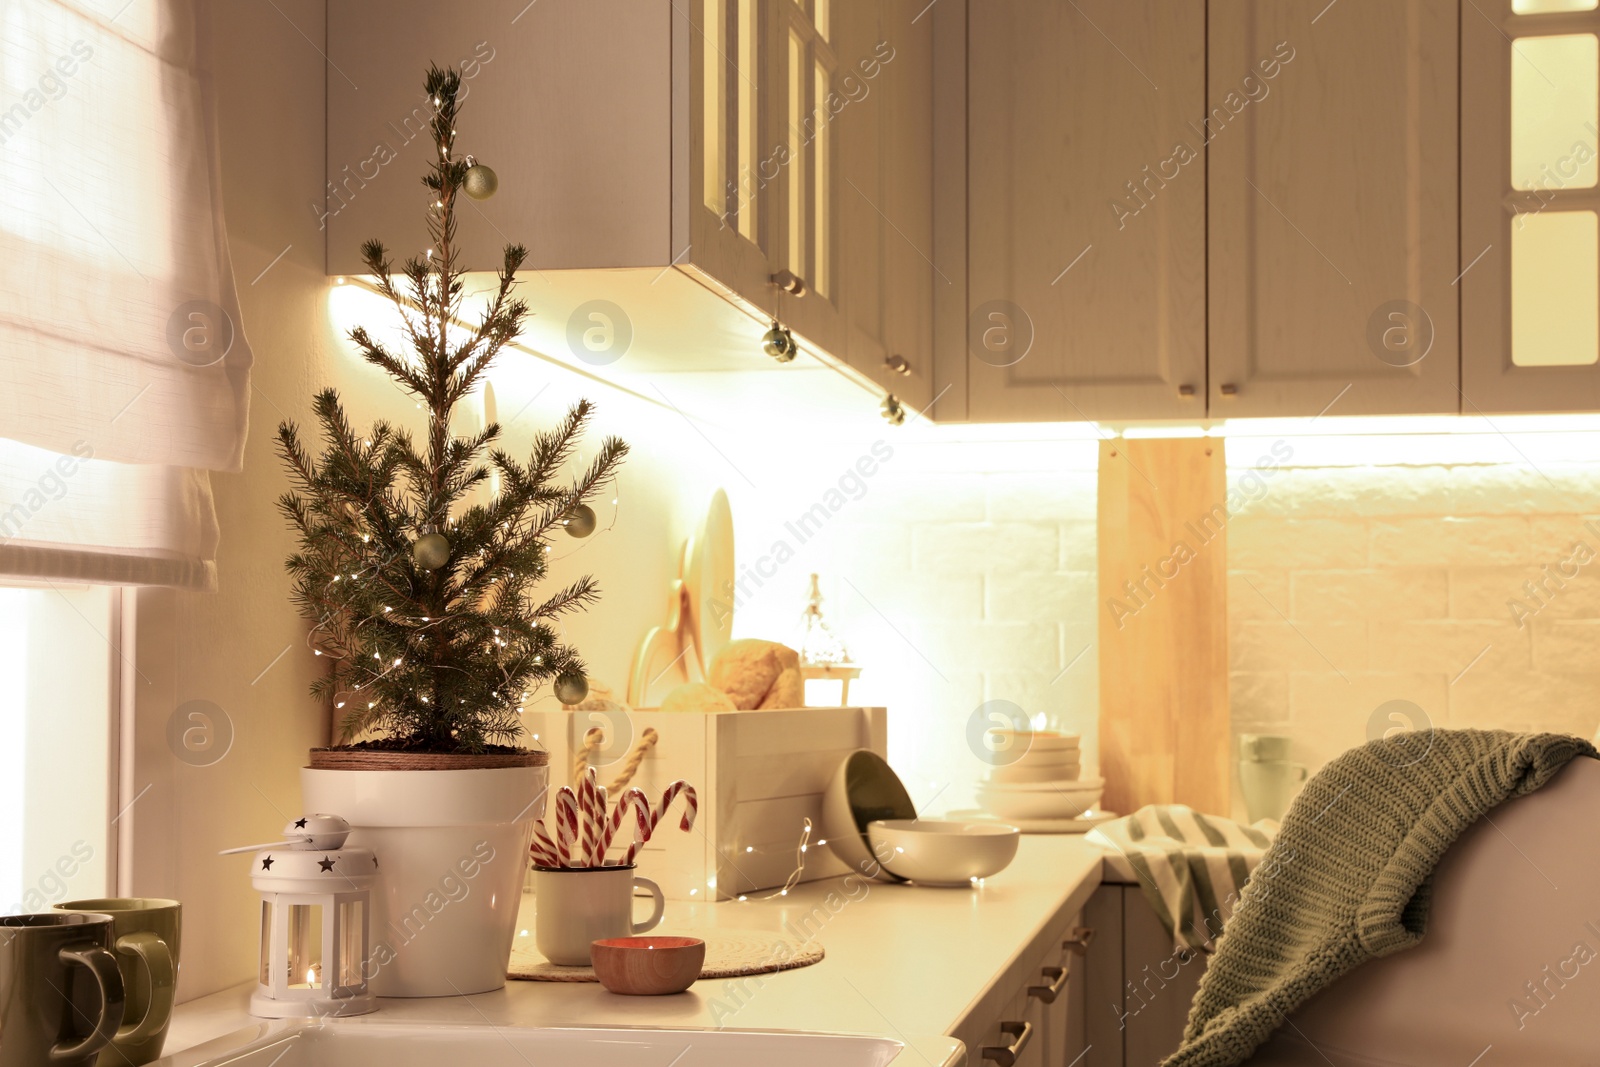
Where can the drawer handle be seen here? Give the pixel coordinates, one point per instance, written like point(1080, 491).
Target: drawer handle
point(1228, 389)
point(1048, 993)
point(1078, 940)
point(1006, 1055)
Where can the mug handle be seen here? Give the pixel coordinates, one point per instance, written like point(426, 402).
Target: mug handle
point(1301, 772)
point(108, 978)
point(157, 959)
point(660, 906)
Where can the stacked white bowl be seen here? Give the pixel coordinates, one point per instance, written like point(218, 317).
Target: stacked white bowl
point(1037, 774)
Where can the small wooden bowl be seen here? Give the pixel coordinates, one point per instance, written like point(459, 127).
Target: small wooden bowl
point(647, 966)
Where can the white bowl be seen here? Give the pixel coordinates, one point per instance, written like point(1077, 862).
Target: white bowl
point(1043, 787)
point(1050, 801)
point(1024, 773)
point(1036, 741)
point(940, 853)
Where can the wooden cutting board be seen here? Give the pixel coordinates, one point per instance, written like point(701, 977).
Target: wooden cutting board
point(1163, 632)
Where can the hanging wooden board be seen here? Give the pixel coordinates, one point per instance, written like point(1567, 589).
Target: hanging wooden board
point(1163, 634)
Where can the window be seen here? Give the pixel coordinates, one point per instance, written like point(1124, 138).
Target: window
point(58, 757)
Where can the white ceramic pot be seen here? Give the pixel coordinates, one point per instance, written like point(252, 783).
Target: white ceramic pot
point(452, 851)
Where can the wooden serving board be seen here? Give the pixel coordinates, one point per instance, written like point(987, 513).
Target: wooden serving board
point(1163, 631)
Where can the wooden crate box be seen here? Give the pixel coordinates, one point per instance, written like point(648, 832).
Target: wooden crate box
point(759, 775)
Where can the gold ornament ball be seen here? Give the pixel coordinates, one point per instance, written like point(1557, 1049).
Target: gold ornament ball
point(571, 688)
point(480, 182)
point(430, 551)
point(893, 411)
point(778, 343)
point(580, 521)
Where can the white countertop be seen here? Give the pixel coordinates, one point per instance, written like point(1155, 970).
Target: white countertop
point(902, 961)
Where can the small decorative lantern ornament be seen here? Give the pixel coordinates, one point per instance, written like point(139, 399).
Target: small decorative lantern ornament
point(316, 911)
point(825, 663)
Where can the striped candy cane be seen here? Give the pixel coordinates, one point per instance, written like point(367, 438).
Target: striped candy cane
point(691, 801)
point(627, 802)
point(566, 824)
point(591, 815)
point(643, 823)
point(544, 849)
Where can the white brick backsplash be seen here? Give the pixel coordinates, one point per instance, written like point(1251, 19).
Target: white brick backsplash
point(1450, 646)
point(1068, 496)
point(1078, 552)
point(1506, 489)
point(1435, 540)
point(1258, 594)
point(1265, 645)
point(1348, 586)
point(1527, 700)
point(922, 497)
point(1553, 538)
point(1259, 702)
point(1329, 714)
point(1266, 541)
point(1395, 593)
point(982, 547)
point(1063, 595)
point(989, 646)
point(1567, 646)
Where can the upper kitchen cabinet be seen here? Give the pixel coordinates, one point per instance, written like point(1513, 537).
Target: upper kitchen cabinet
point(1332, 199)
point(1530, 250)
point(1083, 193)
point(882, 119)
point(687, 138)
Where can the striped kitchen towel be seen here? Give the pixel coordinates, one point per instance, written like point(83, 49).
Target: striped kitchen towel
point(1190, 866)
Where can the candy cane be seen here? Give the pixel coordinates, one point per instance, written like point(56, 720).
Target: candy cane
point(591, 806)
point(566, 824)
point(644, 823)
point(544, 849)
point(633, 800)
point(691, 801)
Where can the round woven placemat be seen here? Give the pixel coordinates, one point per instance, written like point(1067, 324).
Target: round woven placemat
point(729, 954)
point(362, 759)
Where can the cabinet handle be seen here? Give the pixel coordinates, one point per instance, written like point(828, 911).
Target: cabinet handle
point(1186, 391)
point(1006, 1055)
point(1078, 940)
point(1048, 993)
point(898, 365)
point(790, 282)
point(1228, 389)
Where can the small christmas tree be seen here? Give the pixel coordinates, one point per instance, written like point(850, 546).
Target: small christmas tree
point(424, 606)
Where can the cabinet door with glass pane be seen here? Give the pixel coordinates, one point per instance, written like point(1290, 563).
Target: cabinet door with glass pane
point(1332, 206)
point(1530, 249)
point(803, 165)
point(732, 236)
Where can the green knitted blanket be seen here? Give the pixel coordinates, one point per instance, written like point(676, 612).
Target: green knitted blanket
point(1348, 878)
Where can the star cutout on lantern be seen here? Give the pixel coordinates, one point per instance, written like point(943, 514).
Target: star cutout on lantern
point(325, 863)
point(299, 824)
point(266, 864)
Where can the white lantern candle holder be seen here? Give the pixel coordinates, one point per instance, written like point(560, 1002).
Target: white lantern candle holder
point(316, 914)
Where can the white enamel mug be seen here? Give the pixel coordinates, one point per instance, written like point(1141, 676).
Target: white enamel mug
point(576, 906)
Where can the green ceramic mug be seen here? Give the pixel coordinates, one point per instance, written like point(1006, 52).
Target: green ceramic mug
point(145, 934)
point(60, 989)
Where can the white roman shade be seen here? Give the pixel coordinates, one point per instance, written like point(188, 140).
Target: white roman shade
point(124, 372)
